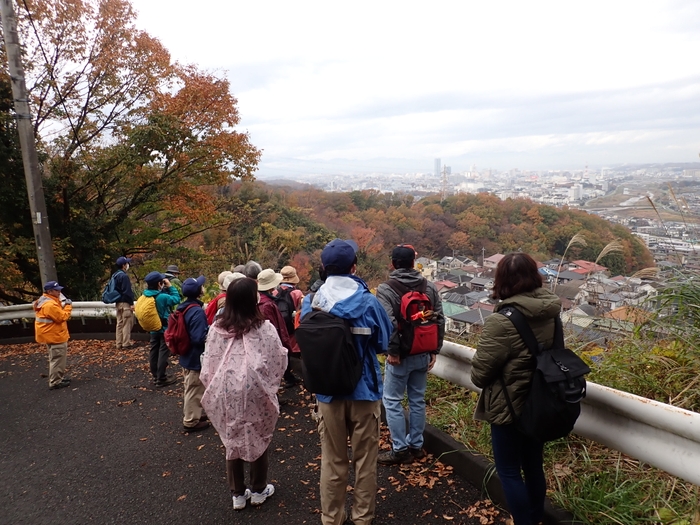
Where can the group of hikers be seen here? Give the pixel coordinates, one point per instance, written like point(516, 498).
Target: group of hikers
point(238, 352)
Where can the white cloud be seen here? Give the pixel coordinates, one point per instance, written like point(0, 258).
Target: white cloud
point(411, 80)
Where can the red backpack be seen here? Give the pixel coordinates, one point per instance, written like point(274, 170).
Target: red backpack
point(176, 336)
point(417, 322)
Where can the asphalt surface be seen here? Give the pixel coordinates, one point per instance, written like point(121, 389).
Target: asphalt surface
point(111, 449)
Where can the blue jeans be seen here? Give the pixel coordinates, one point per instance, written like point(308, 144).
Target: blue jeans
point(513, 451)
point(410, 375)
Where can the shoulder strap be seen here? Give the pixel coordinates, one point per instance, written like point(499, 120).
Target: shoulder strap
point(188, 307)
point(398, 287)
point(401, 289)
point(521, 325)
point(558, 333)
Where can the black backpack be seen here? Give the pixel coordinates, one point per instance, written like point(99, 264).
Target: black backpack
point(330, 362)
point(285, 304)
point(558, 385)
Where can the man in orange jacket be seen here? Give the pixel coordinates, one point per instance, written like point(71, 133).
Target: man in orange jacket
point(51, 328)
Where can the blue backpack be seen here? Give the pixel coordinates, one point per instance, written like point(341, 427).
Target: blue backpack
point(110, 293)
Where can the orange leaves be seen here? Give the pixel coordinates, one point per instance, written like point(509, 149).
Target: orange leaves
point(484, 511)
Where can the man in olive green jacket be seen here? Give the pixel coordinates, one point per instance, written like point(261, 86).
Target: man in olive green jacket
point(502, 351)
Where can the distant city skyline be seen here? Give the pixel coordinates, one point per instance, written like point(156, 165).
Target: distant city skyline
point(391, 86)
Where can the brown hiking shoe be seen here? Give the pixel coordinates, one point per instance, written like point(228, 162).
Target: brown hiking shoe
point(393, 457)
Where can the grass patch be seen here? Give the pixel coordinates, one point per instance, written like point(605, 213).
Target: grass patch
point(595, 483)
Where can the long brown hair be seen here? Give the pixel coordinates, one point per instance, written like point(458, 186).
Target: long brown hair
point(241, 313)
point(516, 273)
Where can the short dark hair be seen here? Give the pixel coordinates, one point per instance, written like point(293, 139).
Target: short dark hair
point(332, 269)
point(241, 312)
point(516, 273)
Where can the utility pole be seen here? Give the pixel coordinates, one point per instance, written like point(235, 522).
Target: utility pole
point(35, 189)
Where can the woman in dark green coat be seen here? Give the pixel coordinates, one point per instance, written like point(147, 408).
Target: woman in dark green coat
point(502, 353)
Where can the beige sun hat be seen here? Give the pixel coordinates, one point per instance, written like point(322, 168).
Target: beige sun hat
point(268, 279)
point(232, 277)
point(222, 278)
point(289, 275)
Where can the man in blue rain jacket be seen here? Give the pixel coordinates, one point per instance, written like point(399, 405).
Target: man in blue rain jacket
point(357, 415)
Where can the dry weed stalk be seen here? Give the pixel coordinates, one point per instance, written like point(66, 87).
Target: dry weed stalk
point(576, 239)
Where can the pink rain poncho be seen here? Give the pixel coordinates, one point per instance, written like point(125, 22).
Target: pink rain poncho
point(241, 377)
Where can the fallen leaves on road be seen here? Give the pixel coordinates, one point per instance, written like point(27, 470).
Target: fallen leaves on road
point(482, 510)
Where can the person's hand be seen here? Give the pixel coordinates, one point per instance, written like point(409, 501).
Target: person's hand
point(433, 358)
point(166, 282)
point(68, 301)
point(393, 360)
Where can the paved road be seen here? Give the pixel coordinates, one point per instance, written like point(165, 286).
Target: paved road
point(111, 449)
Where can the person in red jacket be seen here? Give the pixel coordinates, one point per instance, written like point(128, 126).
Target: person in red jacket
point(218, 301)
point(267, 282)
point(51, 328)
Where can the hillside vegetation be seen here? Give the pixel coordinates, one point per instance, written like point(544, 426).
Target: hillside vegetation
point(284, 225)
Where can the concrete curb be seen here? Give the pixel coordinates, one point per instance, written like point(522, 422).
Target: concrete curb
point(478, 471)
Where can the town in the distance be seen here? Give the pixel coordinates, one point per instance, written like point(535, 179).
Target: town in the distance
point(659, 203)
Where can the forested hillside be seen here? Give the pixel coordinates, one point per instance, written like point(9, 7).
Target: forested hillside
point(285, 225)
point(139, 155)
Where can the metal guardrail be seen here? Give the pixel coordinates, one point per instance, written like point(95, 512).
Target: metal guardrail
point(81, 309)
point(661, 435)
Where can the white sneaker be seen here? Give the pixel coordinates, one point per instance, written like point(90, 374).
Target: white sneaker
point(259, 498)
point(240, 501)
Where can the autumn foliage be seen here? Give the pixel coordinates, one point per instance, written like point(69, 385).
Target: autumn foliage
point(134, 146)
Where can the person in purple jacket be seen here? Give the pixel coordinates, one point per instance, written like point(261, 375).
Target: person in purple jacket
point(191, 362)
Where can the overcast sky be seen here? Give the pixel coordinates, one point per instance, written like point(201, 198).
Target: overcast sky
point(387, 86)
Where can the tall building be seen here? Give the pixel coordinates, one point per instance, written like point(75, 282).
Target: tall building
point(437, 167)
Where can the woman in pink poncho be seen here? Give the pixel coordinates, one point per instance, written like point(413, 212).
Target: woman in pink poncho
point(242, 366)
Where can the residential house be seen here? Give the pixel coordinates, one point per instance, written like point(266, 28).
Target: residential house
point(449, 309)
point(479, 284)
point(492, 262)
point(588, 266)
point(567, 276)
point(443, 286)
point(427, 267)
point(471, 321)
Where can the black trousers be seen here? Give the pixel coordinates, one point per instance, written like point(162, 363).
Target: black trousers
point(159, 356)
point(235, 475)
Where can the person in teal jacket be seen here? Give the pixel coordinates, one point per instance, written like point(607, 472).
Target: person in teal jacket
point(166, 297)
